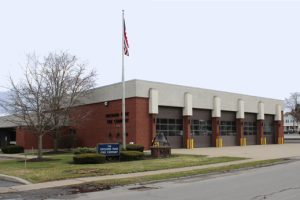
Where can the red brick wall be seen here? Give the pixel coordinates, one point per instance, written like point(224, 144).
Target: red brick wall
point(28, 140)
point(143, 120)
point(239, 130)
point(186, 130)
point(95, 128)
point(215, 130)
point(260, 130)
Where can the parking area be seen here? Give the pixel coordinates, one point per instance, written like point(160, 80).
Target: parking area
point(259, 152)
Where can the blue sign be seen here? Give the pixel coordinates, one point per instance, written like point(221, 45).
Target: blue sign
point(112, 149)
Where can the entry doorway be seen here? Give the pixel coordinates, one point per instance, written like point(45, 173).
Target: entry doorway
point(7, 136)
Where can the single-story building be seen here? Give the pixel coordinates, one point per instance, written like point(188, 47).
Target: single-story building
point(179, 112)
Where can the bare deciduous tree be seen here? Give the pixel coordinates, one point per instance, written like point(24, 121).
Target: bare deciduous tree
point(26, 101)
point(292, 105)
point(43, 101)
point(67, 81)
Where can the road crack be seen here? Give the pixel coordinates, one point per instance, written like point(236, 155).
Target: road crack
point(266, 196)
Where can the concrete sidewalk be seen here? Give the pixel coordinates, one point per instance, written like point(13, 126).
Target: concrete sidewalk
point(15, 156)
point(261, 152)
point(52, 184)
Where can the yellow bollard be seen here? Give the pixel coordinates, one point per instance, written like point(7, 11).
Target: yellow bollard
point(217, 142)
point(281, 140)
point(192, 143)
point(265, 140)
point(243, 141)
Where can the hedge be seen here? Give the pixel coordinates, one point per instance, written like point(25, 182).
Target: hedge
point(135, 147)
point(13, 149)
point(89, 158)
point(131, 155)
point(81, 150)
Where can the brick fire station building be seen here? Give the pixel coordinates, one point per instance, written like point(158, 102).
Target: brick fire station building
point(179, 112)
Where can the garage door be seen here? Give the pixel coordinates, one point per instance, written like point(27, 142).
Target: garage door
point(170, 123)
point(201, 128)
point(269, 130)
point(250, 128)
point(228, 128)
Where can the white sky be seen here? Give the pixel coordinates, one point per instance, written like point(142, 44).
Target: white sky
point(249, 47)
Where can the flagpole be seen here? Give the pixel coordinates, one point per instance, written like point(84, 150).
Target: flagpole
point(123, 87)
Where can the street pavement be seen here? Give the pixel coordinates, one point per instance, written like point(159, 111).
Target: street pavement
point(278, 182)
point(6, 183)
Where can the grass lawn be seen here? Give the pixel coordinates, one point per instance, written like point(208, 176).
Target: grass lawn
point(166, 176)
point(63, 168)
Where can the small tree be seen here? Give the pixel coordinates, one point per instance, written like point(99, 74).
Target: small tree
point(67, 81)
point(26, 101)
point(43, 101)
point(292, 105)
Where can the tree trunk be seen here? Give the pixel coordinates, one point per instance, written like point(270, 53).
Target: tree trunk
point(55, 141)
point(40, 147)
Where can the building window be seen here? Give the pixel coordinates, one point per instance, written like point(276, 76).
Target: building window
point(228, 128)
point(268, 128)
point(201, 127)
point(169, 127)
point(250, 128)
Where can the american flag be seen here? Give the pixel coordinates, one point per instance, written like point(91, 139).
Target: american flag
point(126, 45)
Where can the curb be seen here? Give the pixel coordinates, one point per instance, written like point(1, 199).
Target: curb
point(14, 179)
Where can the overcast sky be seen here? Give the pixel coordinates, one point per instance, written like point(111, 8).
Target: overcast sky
point(249, 47)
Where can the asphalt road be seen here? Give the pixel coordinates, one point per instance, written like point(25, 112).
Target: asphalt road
point(4, 183)
point(279, 182)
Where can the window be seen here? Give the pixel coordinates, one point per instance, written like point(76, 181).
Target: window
point(201, 127)
point(250, 128)
point(228, 128)
point(169, 127)
point(268, 128)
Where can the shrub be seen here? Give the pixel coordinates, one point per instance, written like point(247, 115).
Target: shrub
point(131, 155)
point(81, 150)
point(89, 158)
point(13, 149)
point(67, 141)
point(135, 147)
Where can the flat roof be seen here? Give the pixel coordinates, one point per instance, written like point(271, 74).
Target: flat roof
point(172, 95)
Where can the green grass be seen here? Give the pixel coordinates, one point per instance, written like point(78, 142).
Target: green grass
point(63, 168)
point(168, 176)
